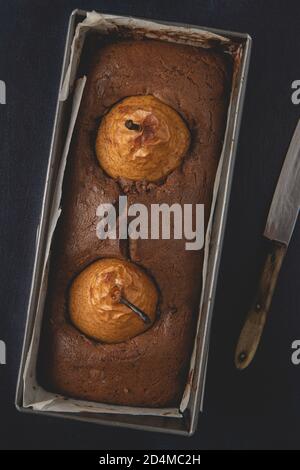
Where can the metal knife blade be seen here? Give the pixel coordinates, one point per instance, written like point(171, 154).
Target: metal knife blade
point(286, 200)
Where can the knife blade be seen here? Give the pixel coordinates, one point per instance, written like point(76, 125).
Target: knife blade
point(286, 200)
point(279, 228)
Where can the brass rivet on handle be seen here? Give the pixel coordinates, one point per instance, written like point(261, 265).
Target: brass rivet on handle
point(242, 356)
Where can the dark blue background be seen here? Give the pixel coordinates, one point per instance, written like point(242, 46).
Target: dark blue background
point(257, 408)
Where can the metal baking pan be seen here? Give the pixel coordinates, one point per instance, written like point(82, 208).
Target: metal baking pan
point(188, 423)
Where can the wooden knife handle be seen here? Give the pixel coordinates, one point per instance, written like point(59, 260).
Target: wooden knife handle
point(256, 318)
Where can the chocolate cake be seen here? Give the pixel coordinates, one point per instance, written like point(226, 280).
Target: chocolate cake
point(150, 368)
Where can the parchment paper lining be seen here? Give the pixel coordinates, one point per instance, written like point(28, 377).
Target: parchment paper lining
point(33, 394)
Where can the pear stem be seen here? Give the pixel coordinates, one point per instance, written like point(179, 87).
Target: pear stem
point(132, 126)
point(136, 310)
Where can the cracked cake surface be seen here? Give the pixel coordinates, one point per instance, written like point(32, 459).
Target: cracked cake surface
point(151, 368)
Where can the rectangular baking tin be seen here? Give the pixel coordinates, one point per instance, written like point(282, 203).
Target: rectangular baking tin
point(187, 425)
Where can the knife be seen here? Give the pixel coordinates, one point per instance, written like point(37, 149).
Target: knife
point(279, 228)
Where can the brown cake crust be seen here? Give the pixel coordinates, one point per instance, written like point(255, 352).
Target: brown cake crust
point(149, 369)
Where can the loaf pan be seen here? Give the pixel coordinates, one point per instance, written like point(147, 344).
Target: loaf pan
point(187, 423)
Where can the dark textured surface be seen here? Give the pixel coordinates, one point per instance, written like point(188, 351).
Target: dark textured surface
point(257, 408)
